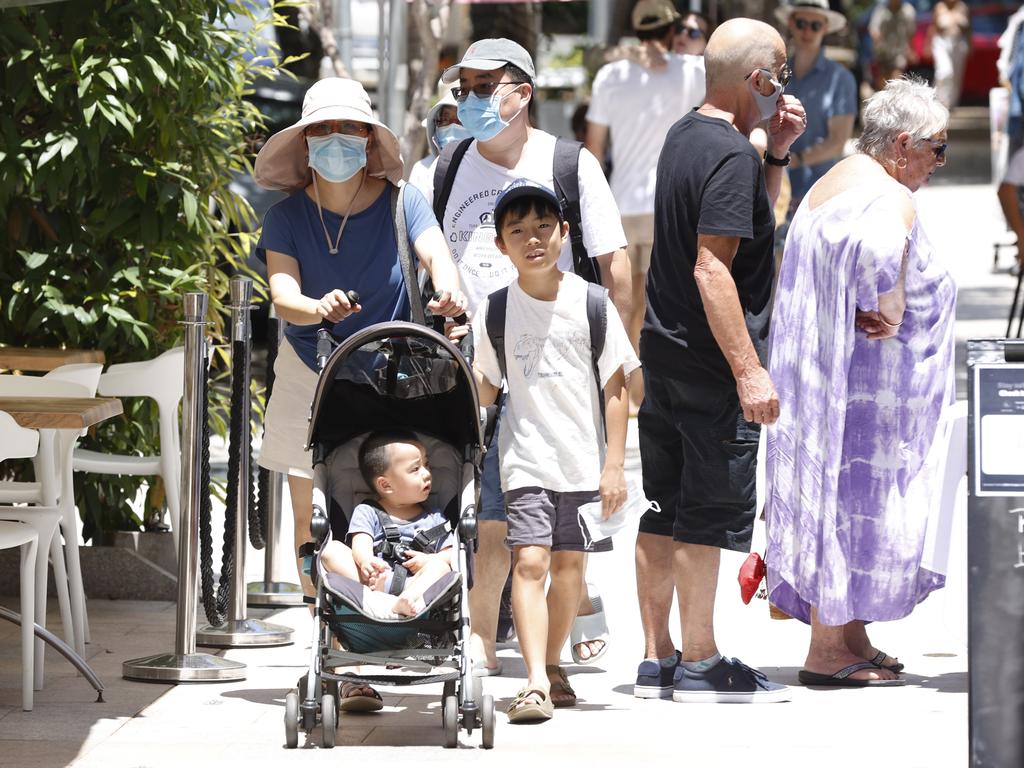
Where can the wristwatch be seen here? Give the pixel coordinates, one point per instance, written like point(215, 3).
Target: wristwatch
point(776, 160)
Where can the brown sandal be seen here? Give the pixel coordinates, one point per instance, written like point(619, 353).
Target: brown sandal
point(531, 705)
point(562, 694)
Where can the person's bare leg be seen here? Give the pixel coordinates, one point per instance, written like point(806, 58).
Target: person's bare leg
point(695, 567)
point(301, 491)
point(856, 636)
point(567, 571)
point(828, 653)
point(587, 648)
point(529, 609)
point(636, 323)
point(654, 592)
point(337, 558)
point(410, 602)
point(491, 570)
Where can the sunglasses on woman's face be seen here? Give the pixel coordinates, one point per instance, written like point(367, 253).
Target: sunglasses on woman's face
point(939, 148)
point(694, 33)
point(814, 26)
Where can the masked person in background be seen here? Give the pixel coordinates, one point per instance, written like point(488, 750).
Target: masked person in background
point(443, 127)
point(335, 232)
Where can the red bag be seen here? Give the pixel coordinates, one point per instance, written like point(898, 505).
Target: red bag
point(752, 573)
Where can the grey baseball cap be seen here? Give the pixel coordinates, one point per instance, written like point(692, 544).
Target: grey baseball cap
point(492, 53)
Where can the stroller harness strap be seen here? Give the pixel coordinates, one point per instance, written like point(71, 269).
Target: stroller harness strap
point(393, 551)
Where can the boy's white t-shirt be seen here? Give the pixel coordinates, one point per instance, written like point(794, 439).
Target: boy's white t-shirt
point(468, 222)
point(551, 434)
point(639, 105)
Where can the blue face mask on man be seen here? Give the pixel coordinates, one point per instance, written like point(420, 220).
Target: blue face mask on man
point(446, 134)
point(337, 157)
point(482, 116)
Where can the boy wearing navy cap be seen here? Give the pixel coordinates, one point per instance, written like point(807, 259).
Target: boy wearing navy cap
point(553, 454)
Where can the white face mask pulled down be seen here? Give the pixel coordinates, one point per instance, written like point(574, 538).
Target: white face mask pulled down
point(766, 105)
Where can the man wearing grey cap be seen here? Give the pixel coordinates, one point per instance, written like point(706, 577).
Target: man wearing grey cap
point(494, 89)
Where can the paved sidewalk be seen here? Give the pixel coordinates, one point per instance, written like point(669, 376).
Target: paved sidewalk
point(923, 724)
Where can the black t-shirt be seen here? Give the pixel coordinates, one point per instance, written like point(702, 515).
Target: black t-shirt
point(711, 181)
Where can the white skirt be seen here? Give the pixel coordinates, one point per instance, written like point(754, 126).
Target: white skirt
point(286, 423)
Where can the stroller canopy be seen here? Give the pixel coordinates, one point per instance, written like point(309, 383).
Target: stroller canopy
point(396, 375)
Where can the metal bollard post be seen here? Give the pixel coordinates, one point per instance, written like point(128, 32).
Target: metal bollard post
point(184, 664)
point(239, 630)
point(269, 592)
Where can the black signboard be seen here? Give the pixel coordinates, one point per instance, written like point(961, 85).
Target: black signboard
point(998, 430)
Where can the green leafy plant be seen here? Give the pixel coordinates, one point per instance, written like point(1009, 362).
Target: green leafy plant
point(121, 124)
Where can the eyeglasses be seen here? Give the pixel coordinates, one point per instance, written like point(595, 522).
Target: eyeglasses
point(694, 33)
point(939, 148)
point(782, 79)
point(344, 127)
point(443, 120)
point(483, 90)
point(814, 26)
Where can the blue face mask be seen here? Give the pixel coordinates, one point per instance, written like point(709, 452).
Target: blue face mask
point(446, 134)
point(482, 117)
point(337, 157)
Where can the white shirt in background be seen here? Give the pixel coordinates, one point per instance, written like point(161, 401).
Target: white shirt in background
point(639, 105)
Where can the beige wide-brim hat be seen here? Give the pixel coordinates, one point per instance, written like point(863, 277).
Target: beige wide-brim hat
point(836, 21)
point(446, 100)
point(282, 162)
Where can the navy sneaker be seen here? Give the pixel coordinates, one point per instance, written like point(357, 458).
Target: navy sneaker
point(729, 681)
point(654, 681)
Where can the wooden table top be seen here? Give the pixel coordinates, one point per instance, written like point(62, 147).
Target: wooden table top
point(60, 412)
point(37, 359)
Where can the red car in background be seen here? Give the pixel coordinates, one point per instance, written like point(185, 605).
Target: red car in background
point(988, 21)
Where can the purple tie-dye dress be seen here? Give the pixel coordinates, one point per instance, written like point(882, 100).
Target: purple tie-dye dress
point(849, 484)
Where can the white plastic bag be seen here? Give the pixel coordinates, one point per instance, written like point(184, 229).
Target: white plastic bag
point(634, 506)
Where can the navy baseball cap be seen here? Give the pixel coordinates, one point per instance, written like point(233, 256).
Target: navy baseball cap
point(519, 189)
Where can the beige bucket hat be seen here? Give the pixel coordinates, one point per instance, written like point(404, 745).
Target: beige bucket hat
point(282, 163)
point(836, 21)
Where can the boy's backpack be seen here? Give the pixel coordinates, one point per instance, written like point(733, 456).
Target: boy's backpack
point(567, 190)
point(597, 319)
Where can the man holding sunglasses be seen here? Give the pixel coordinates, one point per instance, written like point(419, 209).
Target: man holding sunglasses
point(826, 89)
point(703, 348)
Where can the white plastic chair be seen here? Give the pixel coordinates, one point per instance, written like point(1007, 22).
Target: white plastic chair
point(163, 379)
point(53, 487)
point(20, 443)
point(19, 535)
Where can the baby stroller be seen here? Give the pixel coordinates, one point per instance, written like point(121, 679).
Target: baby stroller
point(393, 375)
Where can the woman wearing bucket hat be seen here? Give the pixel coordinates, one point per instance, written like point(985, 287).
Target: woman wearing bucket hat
point(335, 233)
point(826, 89)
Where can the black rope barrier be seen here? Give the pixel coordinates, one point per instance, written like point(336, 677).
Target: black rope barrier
point(262, 507)
point(215, 602)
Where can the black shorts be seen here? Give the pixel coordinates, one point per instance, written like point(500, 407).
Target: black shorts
point(699, 460)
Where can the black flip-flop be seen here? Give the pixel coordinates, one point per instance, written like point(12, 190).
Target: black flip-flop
point(880, 657)
point(842, 679)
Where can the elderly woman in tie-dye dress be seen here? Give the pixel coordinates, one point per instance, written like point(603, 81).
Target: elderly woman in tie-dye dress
point(861, 355)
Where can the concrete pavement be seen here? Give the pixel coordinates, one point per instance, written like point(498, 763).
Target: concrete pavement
point(923, 724)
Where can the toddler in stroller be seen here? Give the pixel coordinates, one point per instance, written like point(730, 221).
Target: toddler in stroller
point(388, 377)
point(399, 549)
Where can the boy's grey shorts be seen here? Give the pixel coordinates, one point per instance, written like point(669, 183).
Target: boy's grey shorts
point(539, 517)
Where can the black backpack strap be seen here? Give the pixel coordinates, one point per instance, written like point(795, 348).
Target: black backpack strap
point(412, 286)
point(444, 175)
point(597, 319)
point(426, 541)
point(566, 173)
point(497, 304)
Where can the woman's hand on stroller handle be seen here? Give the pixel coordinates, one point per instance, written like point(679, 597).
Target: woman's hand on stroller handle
point(336, 305)
point(449, 304)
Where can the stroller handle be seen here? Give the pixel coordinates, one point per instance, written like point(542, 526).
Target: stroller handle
point(325, 337)
point(465, 344)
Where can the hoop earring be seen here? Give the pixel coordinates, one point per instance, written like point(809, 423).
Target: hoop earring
point(901, 163)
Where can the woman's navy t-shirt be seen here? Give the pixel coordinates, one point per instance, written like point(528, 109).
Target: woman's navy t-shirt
point(366, 261)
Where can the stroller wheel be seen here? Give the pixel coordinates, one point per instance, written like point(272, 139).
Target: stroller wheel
point(450, 710)
point(333, 688)
point(487, 721)
point(291, 720)
point(329, 720)
point(449, 691)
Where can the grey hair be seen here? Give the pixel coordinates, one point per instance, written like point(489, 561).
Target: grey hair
point(908, 105)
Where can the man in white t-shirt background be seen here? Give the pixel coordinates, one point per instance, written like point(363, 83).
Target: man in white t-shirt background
point(495, 87)
point(636, 100)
